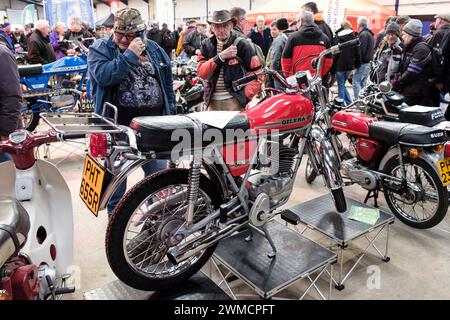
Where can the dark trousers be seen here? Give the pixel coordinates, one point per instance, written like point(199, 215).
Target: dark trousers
point(418, 100)
point(447, 112)
point(435, 95)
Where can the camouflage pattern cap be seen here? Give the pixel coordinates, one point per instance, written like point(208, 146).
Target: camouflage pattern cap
point(131, 21)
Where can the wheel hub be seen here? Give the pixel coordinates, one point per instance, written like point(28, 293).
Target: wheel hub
point(168, 229)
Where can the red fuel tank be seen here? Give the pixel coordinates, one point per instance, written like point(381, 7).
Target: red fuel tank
point(281, 112)
point(355, 123)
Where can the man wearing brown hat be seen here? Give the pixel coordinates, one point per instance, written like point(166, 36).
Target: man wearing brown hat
point(133, 75)
point(223, 60)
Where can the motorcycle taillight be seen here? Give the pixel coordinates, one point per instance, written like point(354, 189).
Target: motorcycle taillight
point(447, 150)
point(194, 81)
point(100, 145)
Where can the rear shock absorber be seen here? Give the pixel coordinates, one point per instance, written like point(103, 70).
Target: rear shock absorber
point(194, 186)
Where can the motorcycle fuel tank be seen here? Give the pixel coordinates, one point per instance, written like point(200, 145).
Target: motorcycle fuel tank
point(281, 112)
point(355, 123)
point(67, 64)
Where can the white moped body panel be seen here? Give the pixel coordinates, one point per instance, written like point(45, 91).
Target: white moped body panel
point(49, 208)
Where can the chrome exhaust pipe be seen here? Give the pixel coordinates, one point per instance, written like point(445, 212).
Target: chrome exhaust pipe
point(180, 253)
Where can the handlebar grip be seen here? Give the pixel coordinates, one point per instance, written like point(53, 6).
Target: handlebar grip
point(348, 44)
point(244, 80)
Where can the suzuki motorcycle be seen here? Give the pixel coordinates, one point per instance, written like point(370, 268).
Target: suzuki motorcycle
point(35, 203)
point(398, 149)
point(42, 94)
point(167, 226)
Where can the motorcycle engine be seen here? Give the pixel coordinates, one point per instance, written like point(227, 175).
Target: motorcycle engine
point(274, 174)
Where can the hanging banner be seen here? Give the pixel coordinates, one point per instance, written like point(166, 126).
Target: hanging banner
point(62, 10)
point(334, 12)
point(29, 14)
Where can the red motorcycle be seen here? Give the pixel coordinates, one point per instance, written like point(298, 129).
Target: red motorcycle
point(242, 169)
point(398, 150)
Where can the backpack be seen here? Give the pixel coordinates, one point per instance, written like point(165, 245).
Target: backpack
point(436, 63)
point(259, 52)
point(168, 40)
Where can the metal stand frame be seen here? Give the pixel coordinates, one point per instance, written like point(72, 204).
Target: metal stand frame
point(312, 282)
point(342, 240)
point(245, 256)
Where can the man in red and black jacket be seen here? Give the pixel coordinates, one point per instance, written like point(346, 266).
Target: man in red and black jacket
point(305, 45)
point(225, 58)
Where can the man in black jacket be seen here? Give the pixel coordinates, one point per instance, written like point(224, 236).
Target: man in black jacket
point(366, 40)
point(193, 41)
point(10, 96)
point(261, 35)
point(40, 51)
point(413, 81)
point(77, 32)
point(437, 41)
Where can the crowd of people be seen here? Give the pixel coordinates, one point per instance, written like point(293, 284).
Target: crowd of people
point(131, 66)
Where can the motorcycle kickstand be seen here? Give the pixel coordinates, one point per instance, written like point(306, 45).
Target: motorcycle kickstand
point(267, 236)
point(372, 194)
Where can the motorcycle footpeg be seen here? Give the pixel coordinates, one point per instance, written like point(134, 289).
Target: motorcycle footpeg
point(290, 217)
point(64, 290)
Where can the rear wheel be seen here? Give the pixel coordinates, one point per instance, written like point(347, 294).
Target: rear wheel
point(139, 232)
point(423, 209)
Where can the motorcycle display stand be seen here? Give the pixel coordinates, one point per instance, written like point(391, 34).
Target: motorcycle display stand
point(320, 214)
point(296, 258)
point(198, 287)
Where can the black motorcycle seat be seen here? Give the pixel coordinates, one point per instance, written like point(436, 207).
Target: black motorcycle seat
point(155, 133)
point(394, 98)
point(406, 133)
point(14, 227)
point(425, 116)
point(30, 70)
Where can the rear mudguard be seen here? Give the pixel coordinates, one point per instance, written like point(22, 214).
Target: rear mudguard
point(431, 157)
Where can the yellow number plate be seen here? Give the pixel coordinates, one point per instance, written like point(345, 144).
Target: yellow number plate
point(444, 171)
point(91, 184)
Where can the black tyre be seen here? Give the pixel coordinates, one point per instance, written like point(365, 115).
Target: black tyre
point(157, 202)
point(30, 117)
point(424, 210)
point(339, 199)
point(310, 173)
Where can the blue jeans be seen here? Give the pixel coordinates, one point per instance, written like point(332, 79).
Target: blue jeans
point(360, 78)
point(341, 78)
point(4, 157)
point(149, 168)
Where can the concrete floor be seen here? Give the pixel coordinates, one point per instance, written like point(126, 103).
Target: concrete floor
point(419, 266)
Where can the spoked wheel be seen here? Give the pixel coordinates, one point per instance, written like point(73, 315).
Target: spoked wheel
point(423, 209)
point(310, 173)
point(139, 233)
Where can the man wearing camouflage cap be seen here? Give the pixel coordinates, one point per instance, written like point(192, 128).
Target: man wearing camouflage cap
point(134, 75)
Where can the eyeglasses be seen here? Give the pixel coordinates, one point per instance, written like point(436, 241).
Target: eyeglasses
point(129, 37)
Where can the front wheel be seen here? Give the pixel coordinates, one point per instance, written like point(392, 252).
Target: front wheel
point(140, 230)
point(310, 172)
point(421, 210)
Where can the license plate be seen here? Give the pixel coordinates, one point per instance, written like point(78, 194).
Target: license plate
point(91, 184)
point(444, 171)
